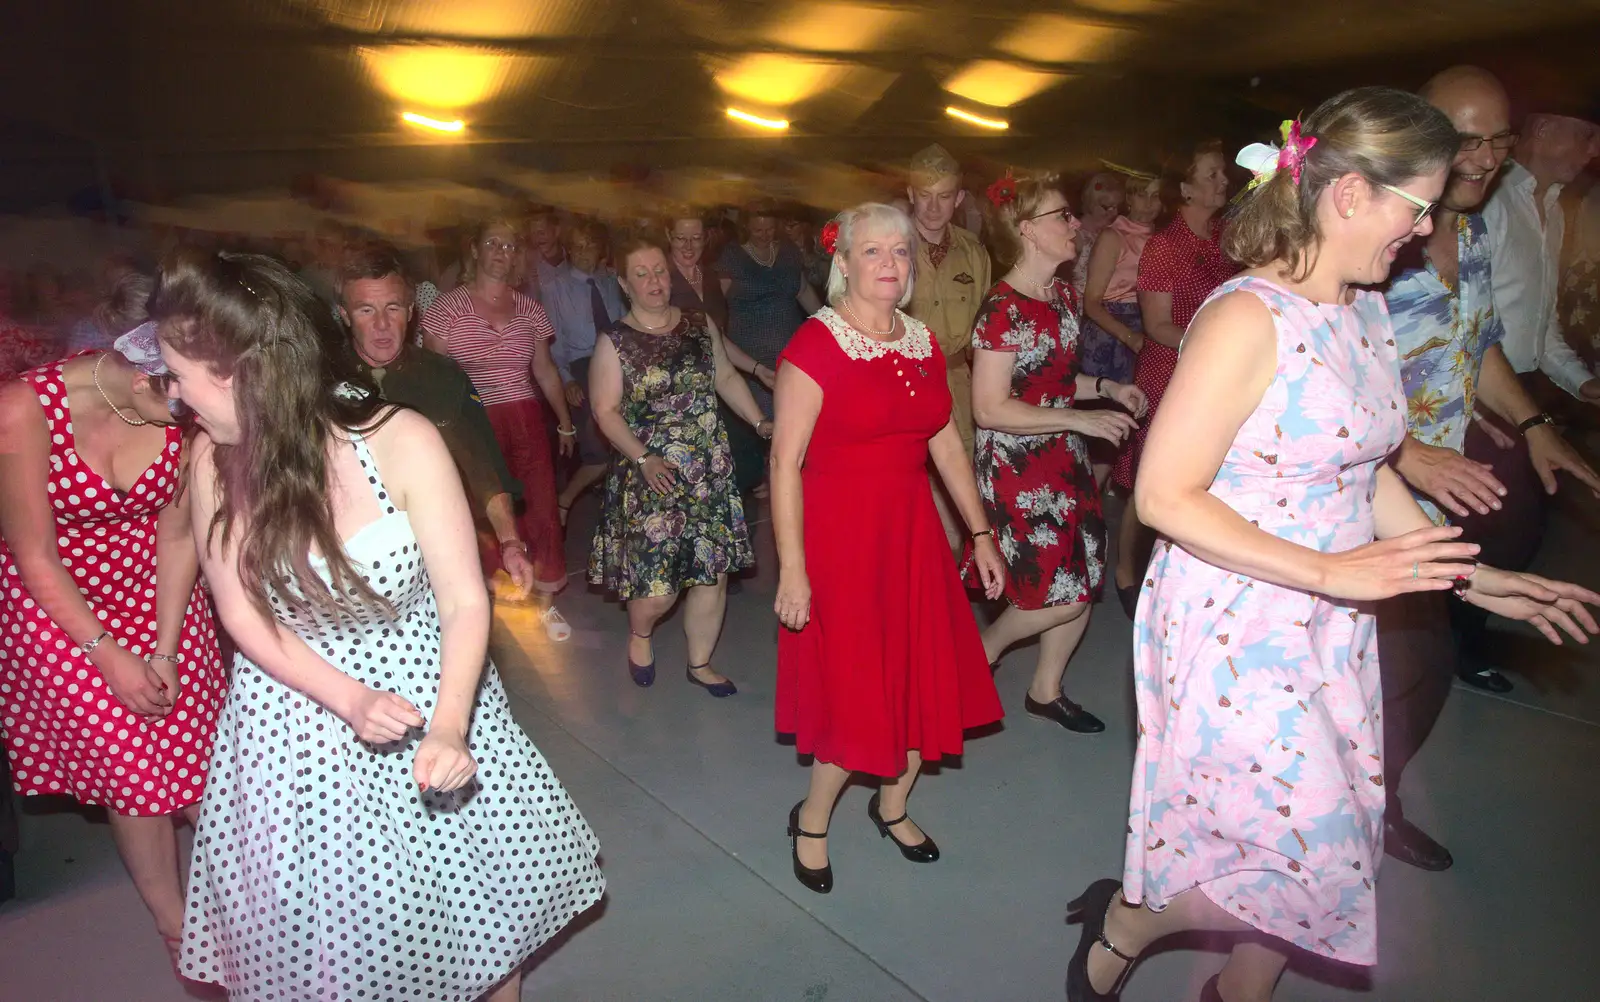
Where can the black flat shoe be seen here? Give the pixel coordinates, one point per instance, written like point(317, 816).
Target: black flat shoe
point(923, 852)
point(1488, 680)
point(721, 690)
point(820, 879)
point(1128, 595)
point(1090, 909)
point(1209, 992)
point(1409, 844)
point(644, 676)
point(1066, 713)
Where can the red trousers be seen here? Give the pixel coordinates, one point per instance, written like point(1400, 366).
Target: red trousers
point(520, 428)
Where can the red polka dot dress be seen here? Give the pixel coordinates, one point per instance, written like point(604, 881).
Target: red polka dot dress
point(65, 732)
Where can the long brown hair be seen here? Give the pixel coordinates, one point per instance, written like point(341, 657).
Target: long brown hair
point(1386, 136)
point(247, 316)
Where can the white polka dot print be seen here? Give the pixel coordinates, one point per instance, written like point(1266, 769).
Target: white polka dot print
point(321, 872)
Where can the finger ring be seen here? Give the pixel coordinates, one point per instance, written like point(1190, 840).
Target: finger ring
point(1413, 570)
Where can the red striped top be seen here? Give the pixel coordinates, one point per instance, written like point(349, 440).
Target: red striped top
point(500, 363)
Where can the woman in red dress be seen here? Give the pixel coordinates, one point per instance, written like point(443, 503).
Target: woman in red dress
point(501, 338)
point(880, 667)
point(110, 679)
point(1181, 266)
point(1033, 464)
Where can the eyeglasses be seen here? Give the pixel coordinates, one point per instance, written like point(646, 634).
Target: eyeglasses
point(1065, 214)
point(1500, 142)
point(1423, 208)
point(499, 245)
point(696, 239)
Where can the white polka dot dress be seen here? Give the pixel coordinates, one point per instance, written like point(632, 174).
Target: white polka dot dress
point(321, 872)
point(65, 732)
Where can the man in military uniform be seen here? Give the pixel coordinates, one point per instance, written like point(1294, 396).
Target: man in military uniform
point(952, 278)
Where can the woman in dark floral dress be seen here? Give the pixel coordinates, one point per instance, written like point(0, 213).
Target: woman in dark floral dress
point(672, 519)
point(1032, 460)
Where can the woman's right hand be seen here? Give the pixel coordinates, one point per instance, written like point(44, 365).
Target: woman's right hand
point(131, 679)
point(1112, 425)
point(379, 716)
point(1420, 560)
point(793, 604)
point(658, 473)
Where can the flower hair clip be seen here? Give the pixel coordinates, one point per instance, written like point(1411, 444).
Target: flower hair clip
point(830, 236)
point(1004, 191)
point(1265, 159)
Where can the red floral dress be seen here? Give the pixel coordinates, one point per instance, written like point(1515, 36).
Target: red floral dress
point(64, 730)
point(1039, 490)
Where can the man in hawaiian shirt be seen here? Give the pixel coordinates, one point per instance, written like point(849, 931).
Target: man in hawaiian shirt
point(1441, 301)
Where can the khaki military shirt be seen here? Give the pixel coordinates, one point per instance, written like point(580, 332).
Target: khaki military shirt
point(946, 298)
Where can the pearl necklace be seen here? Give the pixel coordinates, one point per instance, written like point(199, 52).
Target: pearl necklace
point(772, 257)
point(893, 321)
point(131, 422)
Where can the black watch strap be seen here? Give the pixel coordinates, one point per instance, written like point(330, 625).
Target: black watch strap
point(1534, 422)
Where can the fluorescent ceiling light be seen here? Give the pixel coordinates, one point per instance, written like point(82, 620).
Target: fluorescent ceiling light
point(433, 123)
point(775, 124)
point(978, 120)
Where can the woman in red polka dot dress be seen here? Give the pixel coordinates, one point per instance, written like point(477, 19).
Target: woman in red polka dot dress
point(110, 678)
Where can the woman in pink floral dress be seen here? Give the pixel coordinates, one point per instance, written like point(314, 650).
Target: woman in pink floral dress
point(1257, 802)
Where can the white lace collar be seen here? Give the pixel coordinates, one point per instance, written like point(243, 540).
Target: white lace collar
point(915, 343)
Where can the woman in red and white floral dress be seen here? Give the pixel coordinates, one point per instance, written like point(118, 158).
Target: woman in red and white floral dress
point(1033, 464)
point(110, 677)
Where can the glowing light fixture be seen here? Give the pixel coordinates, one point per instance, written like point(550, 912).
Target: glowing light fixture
point(435, 124)
point(999, 84)
point(978, 120)
point(774, 124)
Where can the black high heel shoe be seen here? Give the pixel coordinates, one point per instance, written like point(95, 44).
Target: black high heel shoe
point(1090, 908)
point(721, 690)
point(819, 879)
point(923, 852)
point(644, 676)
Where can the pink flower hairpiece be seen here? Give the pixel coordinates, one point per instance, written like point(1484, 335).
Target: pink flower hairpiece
point(1265, 159)
point(830, 236)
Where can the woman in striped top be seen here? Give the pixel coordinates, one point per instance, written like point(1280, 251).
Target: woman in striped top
point(502, 339)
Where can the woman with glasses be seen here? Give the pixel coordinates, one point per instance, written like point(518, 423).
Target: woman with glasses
point(1257, 800)
point(1032, 458)
point(501, 338)
point(1180, 267)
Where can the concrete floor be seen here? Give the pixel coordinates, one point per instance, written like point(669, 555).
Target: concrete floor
point(689, 796)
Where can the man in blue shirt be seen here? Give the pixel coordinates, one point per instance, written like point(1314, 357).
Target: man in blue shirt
point(583, 300)
point(1441, 300)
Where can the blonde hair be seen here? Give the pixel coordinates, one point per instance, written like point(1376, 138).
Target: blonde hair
point(1006, 220)
point(873, 216)
point(1385, 136)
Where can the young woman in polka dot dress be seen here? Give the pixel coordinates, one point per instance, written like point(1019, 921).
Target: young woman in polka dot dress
point(376, 826)
point(110, 680)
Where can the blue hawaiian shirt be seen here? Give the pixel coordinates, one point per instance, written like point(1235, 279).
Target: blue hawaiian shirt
point(1442, 335)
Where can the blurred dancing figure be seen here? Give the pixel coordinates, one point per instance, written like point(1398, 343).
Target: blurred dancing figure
point(879, 663)
point(1257, 801)
point(672, 520)
point(364, 715)
point(110, 677)
point(1033, 467)
point(502, 340)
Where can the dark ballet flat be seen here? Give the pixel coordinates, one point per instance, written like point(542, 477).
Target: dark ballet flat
point(923, 852)
point(819, 879)
point(644, 676)
point(1066, 713)
point(1209, 992)
point(1090, 909)
point(721, 690)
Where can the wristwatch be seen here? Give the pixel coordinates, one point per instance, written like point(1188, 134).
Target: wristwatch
point(1534, 422)
point(646, 454)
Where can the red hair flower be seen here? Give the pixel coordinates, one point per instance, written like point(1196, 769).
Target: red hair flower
point(1003, 191)
point(830, 236)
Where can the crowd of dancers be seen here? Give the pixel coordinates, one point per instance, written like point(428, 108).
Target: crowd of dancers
point(1288, 388)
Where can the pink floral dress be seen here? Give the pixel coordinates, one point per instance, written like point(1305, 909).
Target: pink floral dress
point(1259, 775)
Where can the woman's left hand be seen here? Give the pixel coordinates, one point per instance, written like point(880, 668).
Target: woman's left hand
point(1130, 397)
point(568, 440)
point(765, 376)
point(1544, 603)
point(991, 566)
point(442, 762)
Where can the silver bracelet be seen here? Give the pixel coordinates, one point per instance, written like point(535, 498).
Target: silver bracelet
point(174, 659)
point(88, 646)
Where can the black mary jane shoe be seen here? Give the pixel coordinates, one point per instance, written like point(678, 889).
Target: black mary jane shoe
point(721, 690)
point(644, 676)
point(1090, 909)
point(819, 879)
point(923, 852)
point(1209, 992)
point(1128, 596)
point(1066, 713)
point(1409, 844)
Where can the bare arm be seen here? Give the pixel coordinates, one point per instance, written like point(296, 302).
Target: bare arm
point(746, 363)
point(1228, 364)
point(994, 408)
point(177, 566)
point(798, 403)
point(949, 455)
point(808, 298)
point(1155, 309)
point(731, 386)
point(1501, 390)
point(1102, 262)
point(605, 400)
point(549, 380)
